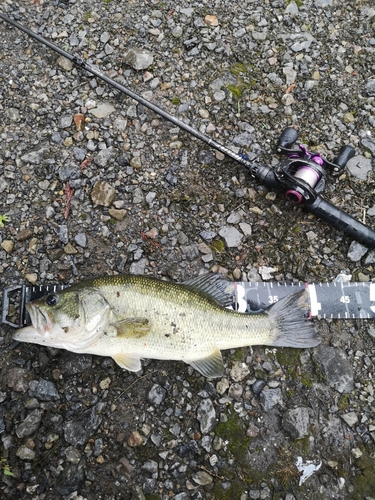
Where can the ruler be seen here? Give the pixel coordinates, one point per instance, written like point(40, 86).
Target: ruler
point(336, 300)
point(340, 300)
point(13, 311)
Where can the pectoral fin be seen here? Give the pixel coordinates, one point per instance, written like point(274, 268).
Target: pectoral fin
point(211, 366)
point(131, 362)
point(133, 328)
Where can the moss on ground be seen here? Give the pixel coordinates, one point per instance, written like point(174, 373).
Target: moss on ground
point(290, 360)
point(364, 484)
point(234, 432)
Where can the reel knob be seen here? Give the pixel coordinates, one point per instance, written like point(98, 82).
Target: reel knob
point(345, 154)
point(286, 140)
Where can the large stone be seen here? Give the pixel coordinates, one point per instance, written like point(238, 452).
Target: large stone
point(24, 234)
point(231, 236)
point(13, 114)
point(46, 391)
point(138, 267)
point(296, 422)
point(117, 214)
point(65, 121)
point(370, 87)
point(37, 154)
point(157, 394)
point(244, 139)
point(135, 440)
point(102, 110)
point(202, 478)
point(335, 367)
point(239, 371)
point(359, 167)
point(8, 246)
point(290, 74)
point(138, 196)
point(62, 232)
point(70, 478)
point(18, 379)
point(370, 258)
point(270, 398)
point(24, 453)
point(78, 432)
point(81, 239)
point(369, 144)
point(68, 172)
point(71, 363)
point(105, 157)
point(356, 251)
point(103, 194)
point(351, 418)
point(138, 58)
point(65, 63)
point(30, 425)
point(206, 415)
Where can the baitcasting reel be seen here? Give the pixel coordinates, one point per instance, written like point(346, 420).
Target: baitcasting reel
point(304, 173)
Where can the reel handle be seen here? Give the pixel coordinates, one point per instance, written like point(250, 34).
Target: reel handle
point(287, 138)
point(345, 154)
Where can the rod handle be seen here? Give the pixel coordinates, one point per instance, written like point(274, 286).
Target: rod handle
point(342, 221)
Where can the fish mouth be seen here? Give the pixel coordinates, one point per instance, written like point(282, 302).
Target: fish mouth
point(37, 332)
point(39, 319)
point(28, 334)
point(44, 331)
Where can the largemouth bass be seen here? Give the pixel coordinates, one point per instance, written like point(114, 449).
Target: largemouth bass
point(132, 317)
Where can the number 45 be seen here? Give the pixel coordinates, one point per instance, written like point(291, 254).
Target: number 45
point(345, 299)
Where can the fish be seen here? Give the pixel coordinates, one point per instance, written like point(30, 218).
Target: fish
point(132, 317)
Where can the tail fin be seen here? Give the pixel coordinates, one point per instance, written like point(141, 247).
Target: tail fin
point(292, 328)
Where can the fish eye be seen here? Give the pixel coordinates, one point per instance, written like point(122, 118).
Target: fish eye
point(52, 299)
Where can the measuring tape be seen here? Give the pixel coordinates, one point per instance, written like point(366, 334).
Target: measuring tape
point(337, 300)
point(13, 312)
point(342, 300)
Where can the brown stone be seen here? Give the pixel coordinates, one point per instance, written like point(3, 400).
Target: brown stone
point(135, 439)
point(211, 20)
point(25, 234)
point(103, 194)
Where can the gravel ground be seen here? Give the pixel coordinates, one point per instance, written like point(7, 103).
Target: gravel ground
point(156, 201)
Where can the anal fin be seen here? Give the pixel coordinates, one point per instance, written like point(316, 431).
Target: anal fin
point(131, 362)
point(211, 366)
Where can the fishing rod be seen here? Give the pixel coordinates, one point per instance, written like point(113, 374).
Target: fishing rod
point(301, 176)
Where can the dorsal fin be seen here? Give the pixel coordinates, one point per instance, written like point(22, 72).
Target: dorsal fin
point(217, 286)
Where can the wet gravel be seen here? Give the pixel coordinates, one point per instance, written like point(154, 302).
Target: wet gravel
point(147, 198)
